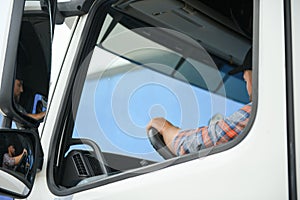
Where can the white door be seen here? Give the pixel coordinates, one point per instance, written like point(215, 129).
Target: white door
point(144, 59)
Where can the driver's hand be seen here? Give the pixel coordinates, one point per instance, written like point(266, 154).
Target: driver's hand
point(25, 151)
point(165, 128)
point(160, 124)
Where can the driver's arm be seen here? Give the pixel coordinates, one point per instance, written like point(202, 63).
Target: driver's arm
point(166, 129)
point(216, 133)
point(37, 116)
point(19, 157)
point(222, 131)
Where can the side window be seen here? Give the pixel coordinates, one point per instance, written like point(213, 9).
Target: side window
point(143, 81)
point(157, 61)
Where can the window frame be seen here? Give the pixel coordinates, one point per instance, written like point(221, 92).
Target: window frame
point(76, 80)
point(290, 106)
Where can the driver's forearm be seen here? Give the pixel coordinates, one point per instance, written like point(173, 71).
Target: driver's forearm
point(37, 116)
point(18, 158)
point(169, 134)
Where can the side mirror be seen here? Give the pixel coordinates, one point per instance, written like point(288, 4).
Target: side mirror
point(27, 60)
point(21, 156)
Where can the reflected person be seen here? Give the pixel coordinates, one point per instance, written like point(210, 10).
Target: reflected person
point(9, 158)
point(18, 90)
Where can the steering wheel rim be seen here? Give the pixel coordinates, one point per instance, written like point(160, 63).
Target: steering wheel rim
point(157, 141)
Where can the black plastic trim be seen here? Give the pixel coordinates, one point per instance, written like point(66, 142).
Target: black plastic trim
point(7, 104)
point(292, 176)
point(72, 8)
point(34, 138)
point(86, 44)
point(9, 66)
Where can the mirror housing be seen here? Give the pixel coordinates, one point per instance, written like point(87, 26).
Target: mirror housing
point(28, 57)
point(18, 175)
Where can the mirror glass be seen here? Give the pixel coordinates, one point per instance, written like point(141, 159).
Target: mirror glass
point(39, 104)
point(33, 64)
point(18, 161)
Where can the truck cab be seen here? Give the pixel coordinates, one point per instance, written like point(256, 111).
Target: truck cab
point(128, 62)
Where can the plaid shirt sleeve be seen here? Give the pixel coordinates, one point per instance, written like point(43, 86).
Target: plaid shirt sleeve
point(219, 132)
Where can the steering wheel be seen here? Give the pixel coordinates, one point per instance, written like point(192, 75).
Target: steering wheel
point(157, 141)
point(28, 164)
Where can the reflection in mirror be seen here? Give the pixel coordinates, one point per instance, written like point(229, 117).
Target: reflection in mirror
point(33, 106)
point(33, 64)
point(17, 158)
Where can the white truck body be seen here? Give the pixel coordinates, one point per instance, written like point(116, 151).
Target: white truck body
point(257, 167)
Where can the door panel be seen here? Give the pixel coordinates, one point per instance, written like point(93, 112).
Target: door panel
point(255, 168)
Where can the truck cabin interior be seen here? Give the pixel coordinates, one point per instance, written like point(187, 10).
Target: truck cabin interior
point(223, 29)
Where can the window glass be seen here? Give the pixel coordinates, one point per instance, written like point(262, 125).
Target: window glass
point(142, 68)
point(117, 104)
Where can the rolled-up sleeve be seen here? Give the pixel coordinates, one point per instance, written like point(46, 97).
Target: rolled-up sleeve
point(219, 132)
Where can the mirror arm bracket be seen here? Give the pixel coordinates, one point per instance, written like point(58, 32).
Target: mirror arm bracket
point(6, 122)
point(72, 8)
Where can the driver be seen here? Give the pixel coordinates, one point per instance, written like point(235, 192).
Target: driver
point(9, 158)
point(18, 90)
point(183, 142)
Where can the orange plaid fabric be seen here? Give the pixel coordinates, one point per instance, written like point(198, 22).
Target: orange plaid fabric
point(219, 132)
